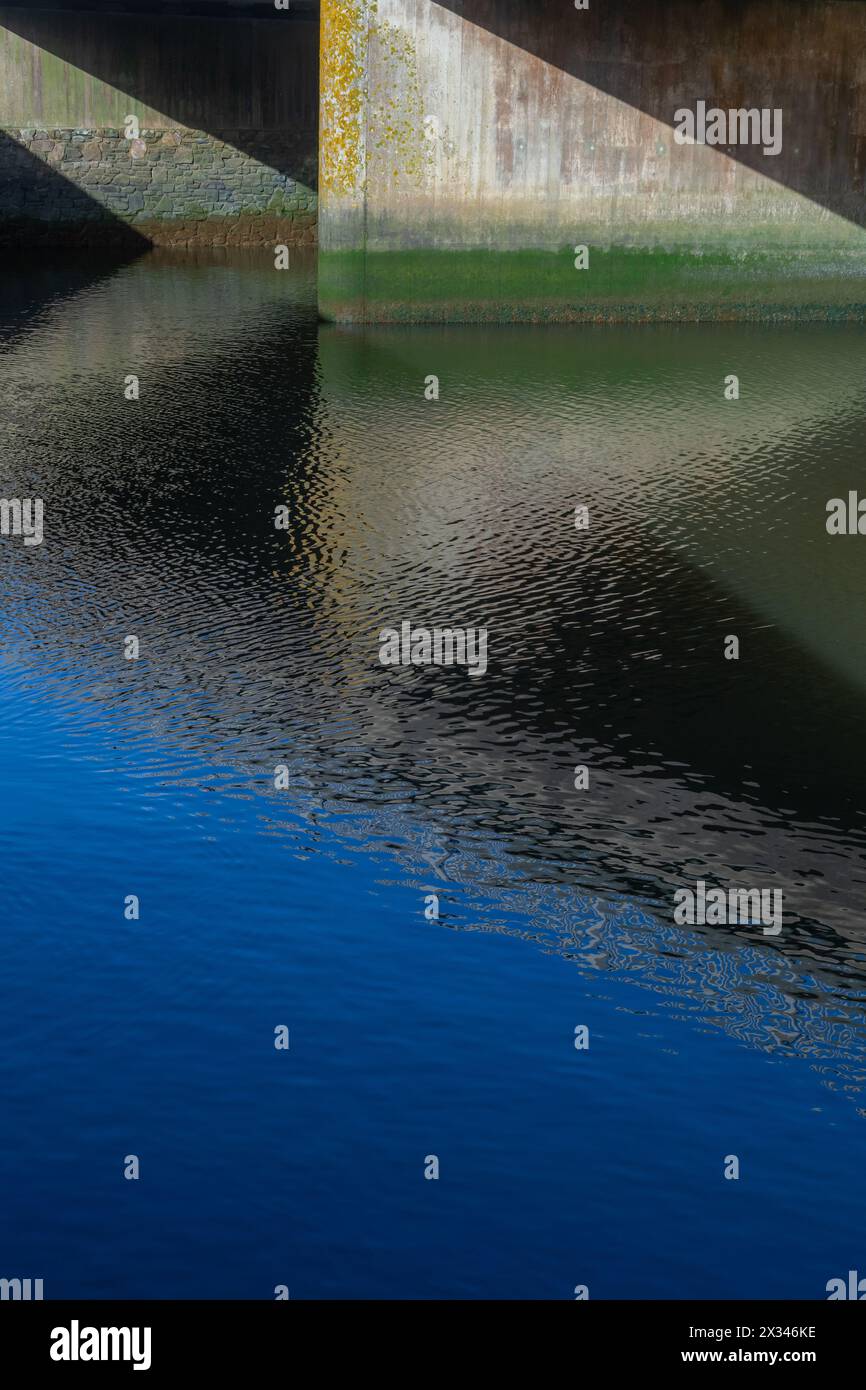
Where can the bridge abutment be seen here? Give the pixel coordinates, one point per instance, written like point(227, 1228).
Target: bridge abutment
point(172, 129)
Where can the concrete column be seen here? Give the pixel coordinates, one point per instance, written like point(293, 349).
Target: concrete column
point(469, 147)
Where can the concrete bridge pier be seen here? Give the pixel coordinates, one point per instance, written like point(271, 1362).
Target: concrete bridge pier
point(492, 160)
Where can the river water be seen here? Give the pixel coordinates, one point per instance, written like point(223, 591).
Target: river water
point(413, 1037)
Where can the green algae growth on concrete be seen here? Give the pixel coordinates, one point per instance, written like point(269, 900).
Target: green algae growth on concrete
point(624, 285)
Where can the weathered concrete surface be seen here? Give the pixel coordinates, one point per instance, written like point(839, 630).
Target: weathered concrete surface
point(467, 147)
point(228, 129)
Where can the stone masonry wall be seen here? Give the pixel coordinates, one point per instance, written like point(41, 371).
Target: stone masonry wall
point(226, 110)
point(172, 187)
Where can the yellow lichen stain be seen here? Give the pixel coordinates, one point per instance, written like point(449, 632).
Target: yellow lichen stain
point(396, 110)
point(360, 120)
point(345, 27)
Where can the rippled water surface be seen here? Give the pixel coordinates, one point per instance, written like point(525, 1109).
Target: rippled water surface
point(305, 906)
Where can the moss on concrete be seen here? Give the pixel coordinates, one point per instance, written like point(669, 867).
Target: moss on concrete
point(619, 285)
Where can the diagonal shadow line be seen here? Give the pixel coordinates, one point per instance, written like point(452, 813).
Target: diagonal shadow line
point(757, 732)
point(32, 194)
point(35, 198)
point(250, 82)
point(804, 56)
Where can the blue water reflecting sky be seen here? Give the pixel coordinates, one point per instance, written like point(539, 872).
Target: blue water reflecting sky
point(305, 907)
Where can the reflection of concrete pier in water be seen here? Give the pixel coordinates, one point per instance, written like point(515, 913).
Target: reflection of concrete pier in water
point(757, 531)
point(260, 646)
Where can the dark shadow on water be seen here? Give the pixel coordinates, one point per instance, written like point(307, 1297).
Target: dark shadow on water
point(34, 272)
point(261, 644)
point(31, 283)
point(762, 737)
